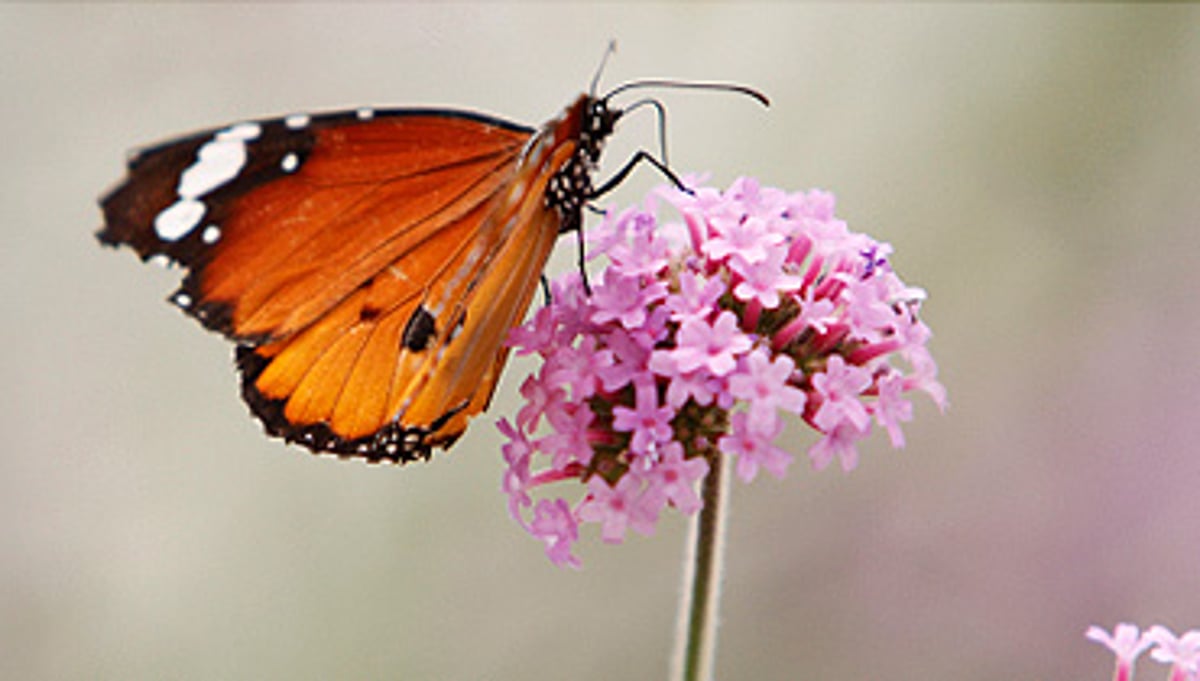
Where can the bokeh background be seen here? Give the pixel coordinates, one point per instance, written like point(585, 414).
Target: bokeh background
point(1037, 169)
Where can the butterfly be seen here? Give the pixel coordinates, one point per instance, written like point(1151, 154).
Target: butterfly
point(368, 264)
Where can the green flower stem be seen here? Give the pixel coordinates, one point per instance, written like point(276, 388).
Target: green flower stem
point(696, 630)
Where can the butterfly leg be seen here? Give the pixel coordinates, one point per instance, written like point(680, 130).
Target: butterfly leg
point(587, 287)
point(641, 155)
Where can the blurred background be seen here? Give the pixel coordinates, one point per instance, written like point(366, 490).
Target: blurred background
point(1037, 170)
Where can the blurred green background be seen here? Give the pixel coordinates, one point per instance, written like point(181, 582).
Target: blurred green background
point(1036, 168)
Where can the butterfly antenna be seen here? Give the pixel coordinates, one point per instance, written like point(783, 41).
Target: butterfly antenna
point(688, 85)
point(608, 51)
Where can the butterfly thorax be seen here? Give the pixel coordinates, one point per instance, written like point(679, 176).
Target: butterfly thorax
point(587, 123)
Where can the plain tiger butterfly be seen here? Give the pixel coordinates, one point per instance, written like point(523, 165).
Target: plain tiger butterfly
point(368, 264)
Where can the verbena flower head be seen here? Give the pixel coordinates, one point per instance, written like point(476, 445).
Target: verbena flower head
point(708, 335)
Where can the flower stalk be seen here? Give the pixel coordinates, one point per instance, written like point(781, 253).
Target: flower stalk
point(696, 630)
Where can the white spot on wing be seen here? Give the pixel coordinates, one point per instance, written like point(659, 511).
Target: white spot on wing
point(290, 163)
point(217, 161)
point(211, 234)
point(297, 121)
point(365, 114)
point(182, 299)
point(240, 131)
point(178, 219)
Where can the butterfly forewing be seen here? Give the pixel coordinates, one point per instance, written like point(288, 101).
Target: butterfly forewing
point(368, 263)
point(297, 211)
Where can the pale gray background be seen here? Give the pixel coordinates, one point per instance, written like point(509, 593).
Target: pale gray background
point(1036, 169)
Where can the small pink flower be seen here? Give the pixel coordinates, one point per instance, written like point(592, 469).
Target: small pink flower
point(1125, 642)
point(1182, 653)
point(641, 253)
point(570, 442)
point(924, 376)
point(754, 448)
point(574, 367)
point(816, 314)
point(537, 333)
point(714, 347)
point(839, 443)
point(649, 423)
point(696, 299)
point(763, 281)
point(867, 306)
point(622, 359)
point(747, 238)
point(616, 508)
point(764, 385)
point(699, 386)
point(890, 408)
point(674, 478)
point(556, 526)
point(622, 298)
point(839, 388)
point(539, 396)
point(517, 454)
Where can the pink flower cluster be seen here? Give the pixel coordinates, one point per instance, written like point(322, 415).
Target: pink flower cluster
point(699, 336)
point(1181, 652)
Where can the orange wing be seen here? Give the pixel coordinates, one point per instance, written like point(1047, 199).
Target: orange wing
point(370, 266)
